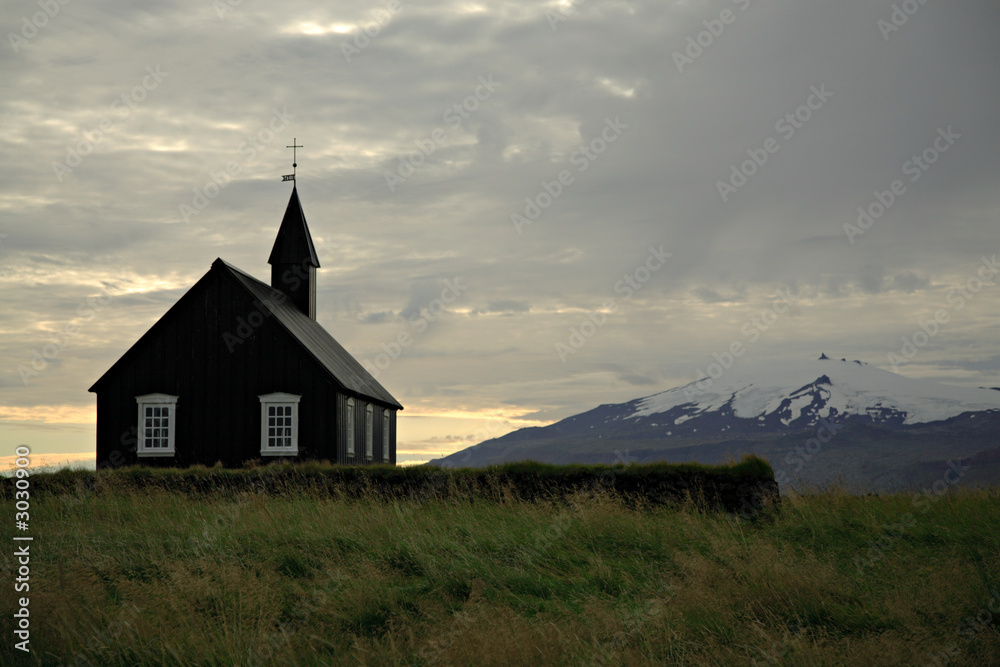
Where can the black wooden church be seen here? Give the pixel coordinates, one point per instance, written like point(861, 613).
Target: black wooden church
point(239, 370)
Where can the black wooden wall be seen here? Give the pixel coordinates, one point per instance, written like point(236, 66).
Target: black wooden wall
point(218, 384)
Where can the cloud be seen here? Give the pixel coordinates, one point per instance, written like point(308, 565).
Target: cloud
point(206, 137)
point(503, 306)
point(638, 380)
point(710, 295)
point(380, 317)
point(909, 282)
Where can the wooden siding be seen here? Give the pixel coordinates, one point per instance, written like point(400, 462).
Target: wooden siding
point(218, 381)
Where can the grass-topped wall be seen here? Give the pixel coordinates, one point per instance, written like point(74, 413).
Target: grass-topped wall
point(743, 486)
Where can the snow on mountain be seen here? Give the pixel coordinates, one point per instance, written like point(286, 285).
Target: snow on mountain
point(823, 388)
point(892, 433)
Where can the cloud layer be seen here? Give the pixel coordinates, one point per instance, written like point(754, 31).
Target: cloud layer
point(537, 153)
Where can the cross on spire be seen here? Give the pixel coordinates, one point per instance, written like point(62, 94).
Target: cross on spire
point(295, 145)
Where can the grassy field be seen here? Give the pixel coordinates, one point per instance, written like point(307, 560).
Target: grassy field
point(120, 577)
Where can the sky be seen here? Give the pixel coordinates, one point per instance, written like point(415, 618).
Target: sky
point(553, 205)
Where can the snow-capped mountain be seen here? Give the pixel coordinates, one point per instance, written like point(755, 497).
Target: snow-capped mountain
point(799, 394)
point(814, 420)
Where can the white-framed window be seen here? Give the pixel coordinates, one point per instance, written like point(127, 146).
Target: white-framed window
point(369, 435)
point(349, 420)
point(385, 436)
point(157, 422)
point(279, 424)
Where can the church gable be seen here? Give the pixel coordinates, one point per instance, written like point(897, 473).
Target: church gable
point(192, 316)
point(238, 369)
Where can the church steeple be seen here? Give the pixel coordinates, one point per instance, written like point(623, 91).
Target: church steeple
point(293, 259)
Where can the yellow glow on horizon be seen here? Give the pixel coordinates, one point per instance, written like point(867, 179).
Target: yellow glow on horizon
point(44, 460)
point(50, 414)
point(488, 415)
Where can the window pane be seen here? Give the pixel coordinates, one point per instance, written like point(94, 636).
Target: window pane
point(349, 426)
point(279, 425)
point(368, 431)
point(385, 436)
point(155, 426)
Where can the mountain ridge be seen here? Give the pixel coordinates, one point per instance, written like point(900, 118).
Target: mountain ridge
point(817, 422)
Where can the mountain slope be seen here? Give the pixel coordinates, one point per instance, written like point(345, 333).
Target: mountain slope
point(823, 388)
point(816, 421)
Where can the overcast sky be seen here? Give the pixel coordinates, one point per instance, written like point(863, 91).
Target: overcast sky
point(737, 137)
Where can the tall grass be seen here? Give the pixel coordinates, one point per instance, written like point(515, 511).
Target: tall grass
point(123, 577)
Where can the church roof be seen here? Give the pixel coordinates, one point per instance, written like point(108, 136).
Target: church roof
point(294, 243)
point(313, 337)
point(328, 353)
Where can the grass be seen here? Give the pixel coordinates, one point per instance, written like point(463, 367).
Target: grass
point(528, 478)
point(121, 576)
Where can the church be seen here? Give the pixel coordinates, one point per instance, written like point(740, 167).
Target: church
point(239, 370)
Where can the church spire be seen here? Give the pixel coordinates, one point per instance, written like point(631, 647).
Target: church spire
point(293, 259)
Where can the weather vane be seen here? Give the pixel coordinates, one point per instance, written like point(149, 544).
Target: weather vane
point(295, 145)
